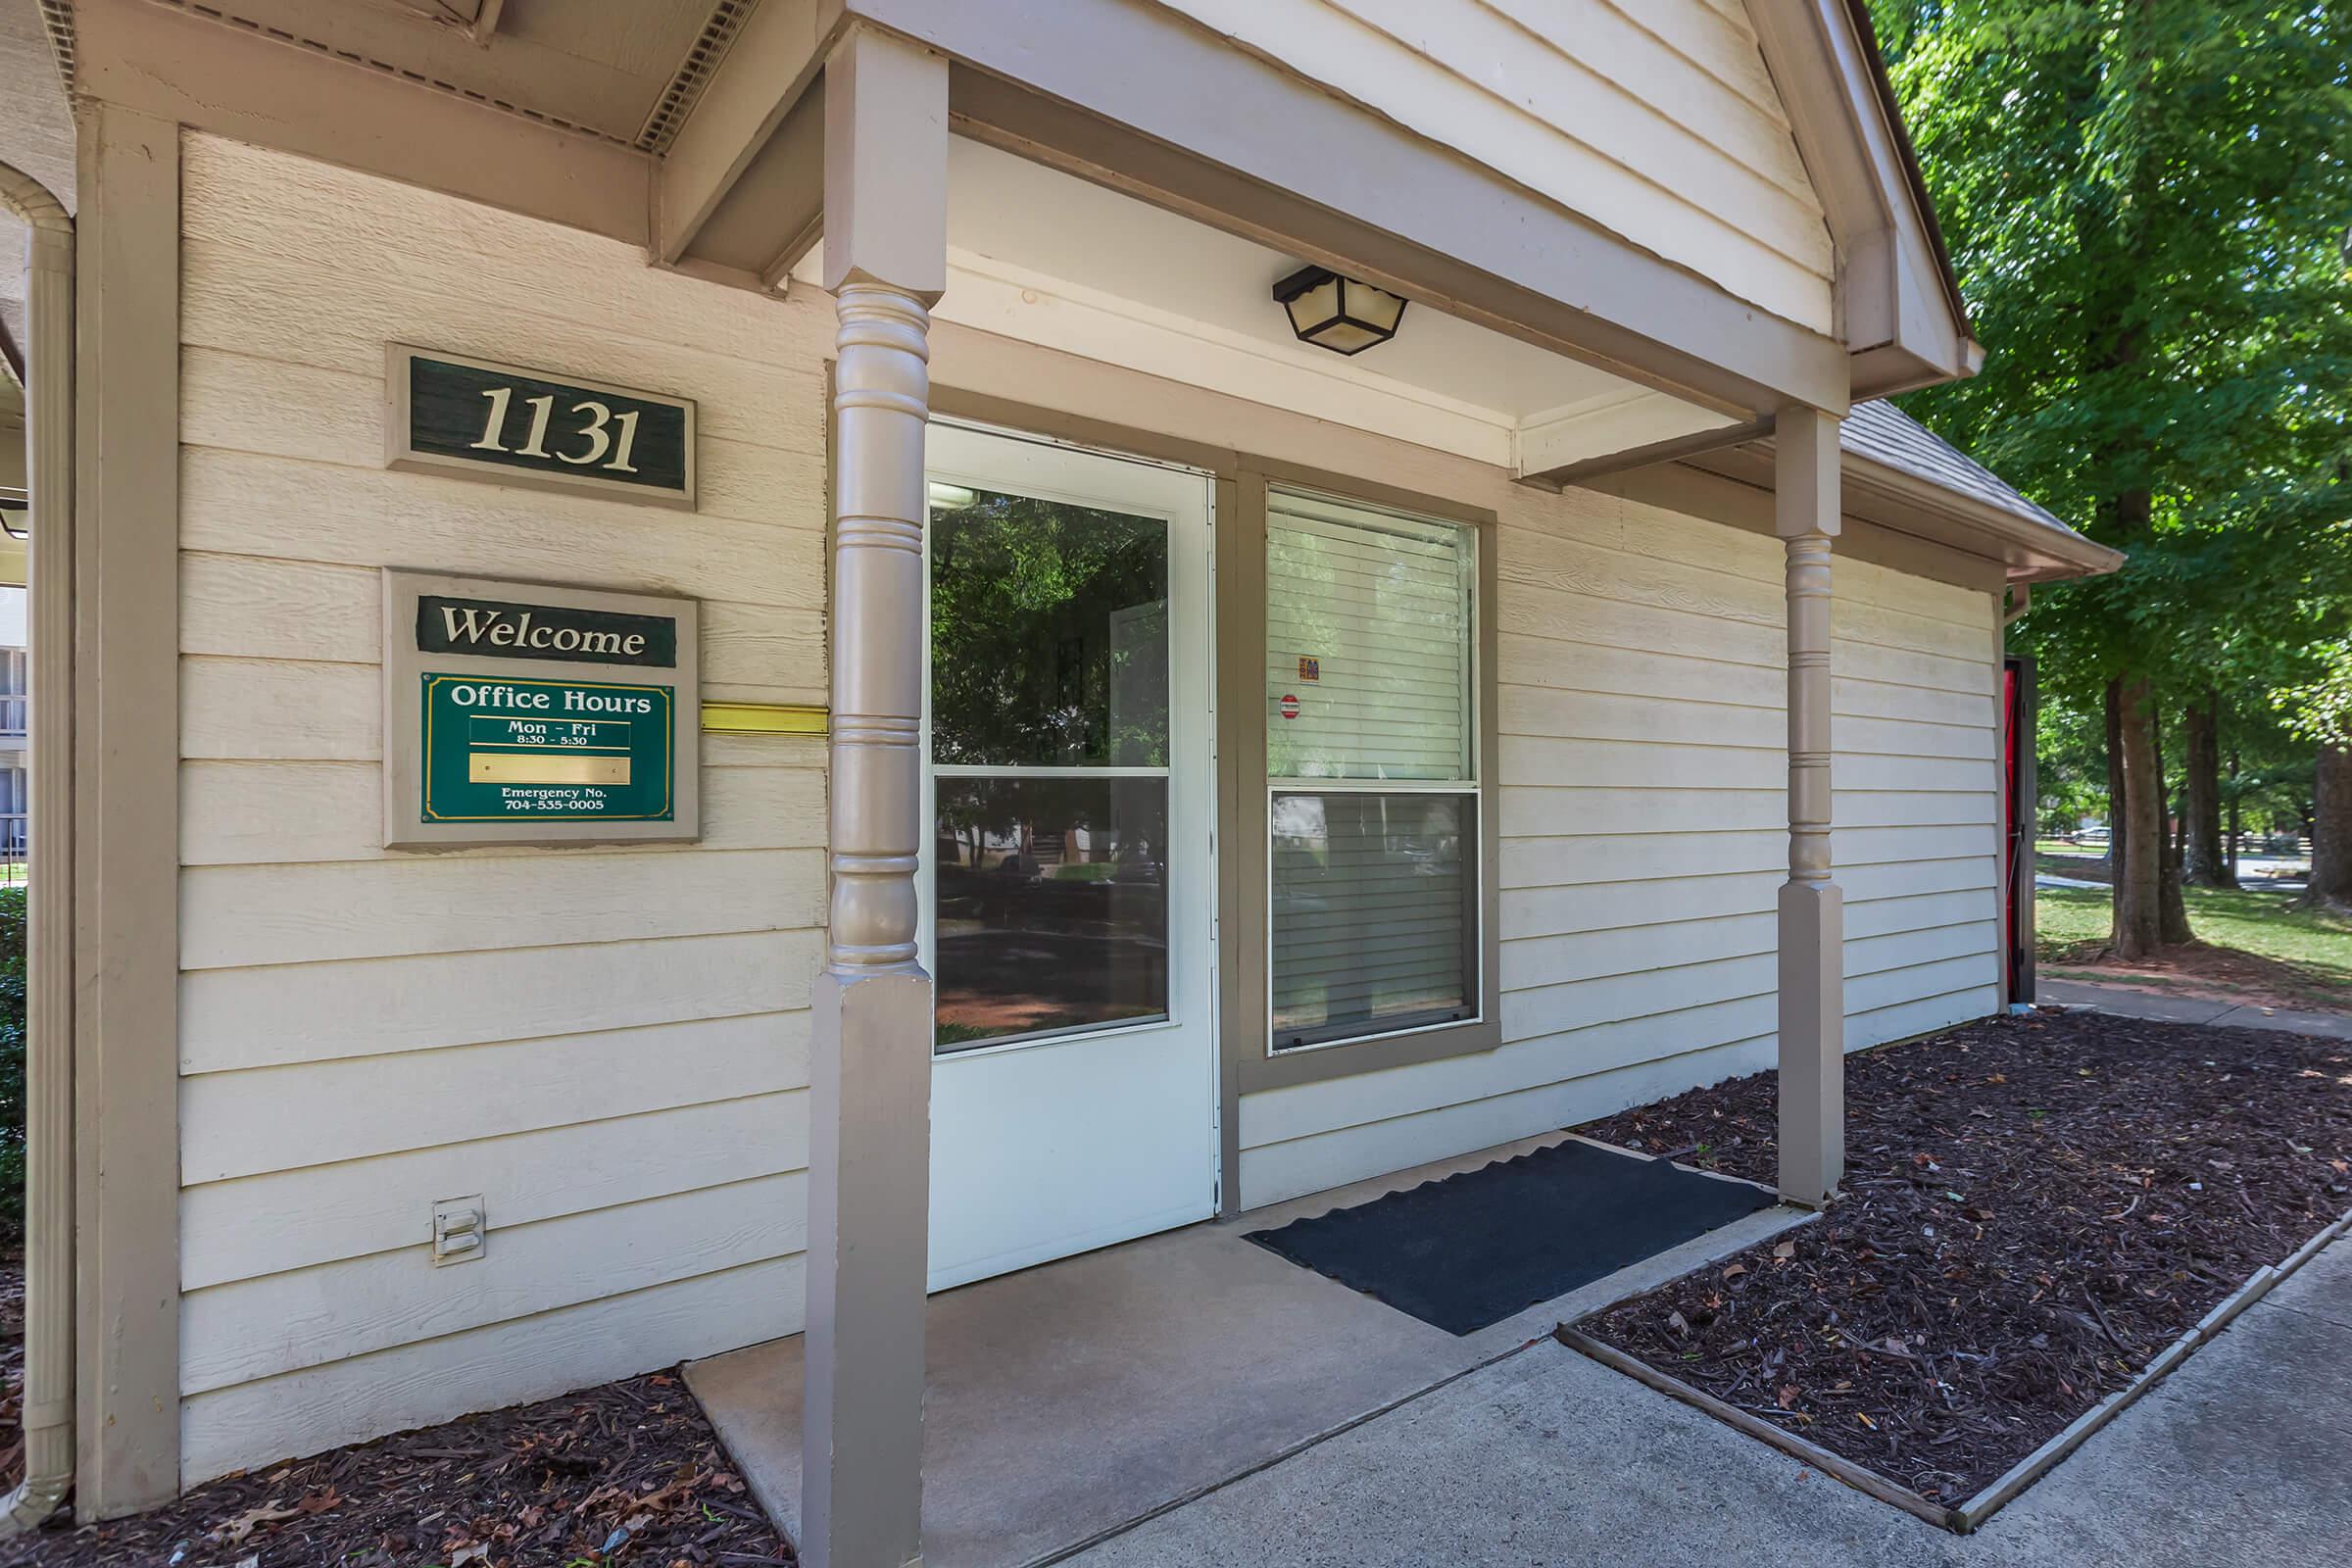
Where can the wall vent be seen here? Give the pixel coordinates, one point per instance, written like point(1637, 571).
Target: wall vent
point(57, 15)
point(678, 99)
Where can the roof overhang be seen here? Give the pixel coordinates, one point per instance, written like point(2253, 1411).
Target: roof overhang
point(1140, 99)
point(1902, 317)
point(2028, 550)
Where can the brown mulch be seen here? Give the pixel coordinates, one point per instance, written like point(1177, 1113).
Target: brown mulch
point(628, 1473)
point(12, 1369)
point(2034, 1207)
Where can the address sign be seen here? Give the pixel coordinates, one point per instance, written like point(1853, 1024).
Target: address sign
point(453, 414)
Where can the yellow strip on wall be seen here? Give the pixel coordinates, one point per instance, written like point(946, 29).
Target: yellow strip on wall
point(764, 718)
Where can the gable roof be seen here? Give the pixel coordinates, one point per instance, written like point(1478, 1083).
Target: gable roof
point(1904, 320)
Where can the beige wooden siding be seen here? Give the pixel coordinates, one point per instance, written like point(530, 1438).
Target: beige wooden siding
point(1655, 119)
point(611, 1045)
point(1641, 787)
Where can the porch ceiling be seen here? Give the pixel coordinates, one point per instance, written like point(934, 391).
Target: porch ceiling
point(597, 66)
point(1047, 257)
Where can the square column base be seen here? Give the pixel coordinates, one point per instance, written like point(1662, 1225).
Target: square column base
point(869, 1209)
point(1812, 1103)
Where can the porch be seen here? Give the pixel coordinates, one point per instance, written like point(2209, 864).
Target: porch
point(1066, 1403)
point(869, 224)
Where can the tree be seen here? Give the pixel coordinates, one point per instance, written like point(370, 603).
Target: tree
point(2145, 200)
point(2322, 710)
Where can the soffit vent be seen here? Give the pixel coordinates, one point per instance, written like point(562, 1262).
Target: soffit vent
point(57, 15)
point(229, 19)
point(678, 99)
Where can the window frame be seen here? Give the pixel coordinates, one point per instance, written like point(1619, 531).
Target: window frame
point(1249, 791)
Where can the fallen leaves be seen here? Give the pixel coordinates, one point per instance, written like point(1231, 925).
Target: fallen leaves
point(234, 1531)
point(621, 1474)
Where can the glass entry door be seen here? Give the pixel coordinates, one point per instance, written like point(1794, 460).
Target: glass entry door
point(1067, 910)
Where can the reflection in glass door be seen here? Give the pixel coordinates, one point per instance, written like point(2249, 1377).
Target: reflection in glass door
point(1067, 886)
point(1049, 756)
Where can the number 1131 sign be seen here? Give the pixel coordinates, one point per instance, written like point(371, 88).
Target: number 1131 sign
point(450, 415)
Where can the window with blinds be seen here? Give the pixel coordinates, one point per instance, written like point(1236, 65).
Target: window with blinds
point(1372, 770)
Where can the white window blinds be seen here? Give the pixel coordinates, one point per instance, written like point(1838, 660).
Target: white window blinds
point(1367, 643)
point(1373, 799)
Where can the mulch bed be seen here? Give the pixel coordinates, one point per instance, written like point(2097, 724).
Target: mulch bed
point(628, 1473)
point(2034, 1207)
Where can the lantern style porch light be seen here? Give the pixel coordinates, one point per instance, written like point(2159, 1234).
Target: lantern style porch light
point(1340, 314)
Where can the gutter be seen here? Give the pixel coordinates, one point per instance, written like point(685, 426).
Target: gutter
point(2074, 554)
point(49, 1196)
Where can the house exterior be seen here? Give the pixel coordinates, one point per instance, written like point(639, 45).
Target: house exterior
point(1117, 761)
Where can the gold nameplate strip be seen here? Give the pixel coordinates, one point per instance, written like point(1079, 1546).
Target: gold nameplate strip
point(514, 767)
point(764, 718)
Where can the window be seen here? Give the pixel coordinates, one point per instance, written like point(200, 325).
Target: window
point(1372, 771)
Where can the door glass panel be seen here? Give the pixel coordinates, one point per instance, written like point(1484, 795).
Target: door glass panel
point(1049, 633)
point(1052, 904)
point(1048, 661)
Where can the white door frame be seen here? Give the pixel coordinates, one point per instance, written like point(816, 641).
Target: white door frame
point(986, 458)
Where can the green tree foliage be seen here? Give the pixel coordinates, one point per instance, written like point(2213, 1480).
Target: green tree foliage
point(2147, 201)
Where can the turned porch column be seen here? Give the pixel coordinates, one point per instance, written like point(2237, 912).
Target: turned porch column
point(1812, 909)
point(885, 260)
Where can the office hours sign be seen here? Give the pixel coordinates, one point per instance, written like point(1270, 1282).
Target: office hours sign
point(526, 713)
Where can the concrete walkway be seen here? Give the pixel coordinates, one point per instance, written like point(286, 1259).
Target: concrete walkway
point(2170, 1009)
point(1066, 1402)
point(1547, 1460)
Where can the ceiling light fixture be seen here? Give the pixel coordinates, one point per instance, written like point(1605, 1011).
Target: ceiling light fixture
point(1343, 315)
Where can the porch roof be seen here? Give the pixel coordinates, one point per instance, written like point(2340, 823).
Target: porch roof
point(1883, 443)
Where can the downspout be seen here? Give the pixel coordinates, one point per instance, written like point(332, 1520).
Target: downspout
point(49, 1305)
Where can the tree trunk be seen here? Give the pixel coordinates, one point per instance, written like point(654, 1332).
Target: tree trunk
point(2114, 783)
point(2204, 865)
point(2138, 839)
point(2331, 831)
point(2234, 804)
point(2174, 909)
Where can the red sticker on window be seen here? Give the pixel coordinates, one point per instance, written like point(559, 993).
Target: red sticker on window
point(1290, 704)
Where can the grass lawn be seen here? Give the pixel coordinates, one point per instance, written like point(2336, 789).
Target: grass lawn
point(2253, 939)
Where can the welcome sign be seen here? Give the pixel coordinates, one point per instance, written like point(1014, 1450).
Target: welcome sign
point(496, 628)
point(519, 714)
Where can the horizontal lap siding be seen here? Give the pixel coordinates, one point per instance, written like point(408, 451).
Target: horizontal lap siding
point(1642, 788)
point(609, 1044)
point(1657, 121)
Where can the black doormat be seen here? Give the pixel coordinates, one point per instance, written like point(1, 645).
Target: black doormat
point(1476, 1246)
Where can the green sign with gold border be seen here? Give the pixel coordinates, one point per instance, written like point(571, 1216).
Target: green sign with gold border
point(538, 713)
point(531, 751)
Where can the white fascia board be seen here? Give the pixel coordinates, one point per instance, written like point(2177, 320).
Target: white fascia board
point(1602, 426)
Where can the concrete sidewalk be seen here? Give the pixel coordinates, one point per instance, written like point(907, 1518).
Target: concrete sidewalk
point(2136, 1003)
point(1066, 1402)
point(1546, 1459)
